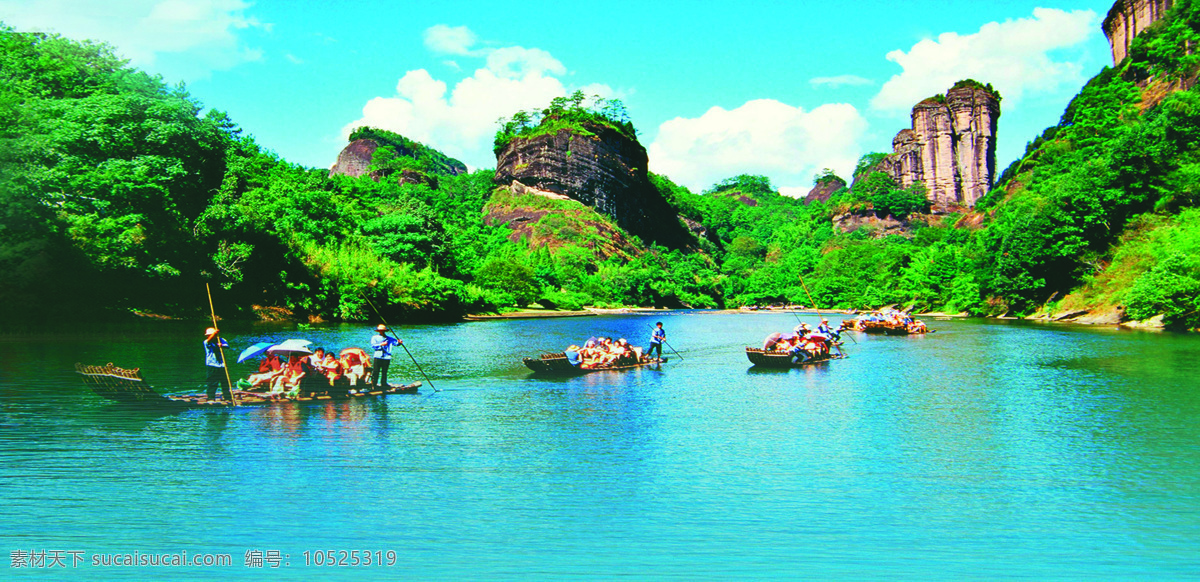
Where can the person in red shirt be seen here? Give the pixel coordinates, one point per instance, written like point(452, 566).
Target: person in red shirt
point(268, 369)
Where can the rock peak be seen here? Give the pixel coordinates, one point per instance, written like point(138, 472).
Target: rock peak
point(1128, 18)
point(951, 147)
point(600, 167)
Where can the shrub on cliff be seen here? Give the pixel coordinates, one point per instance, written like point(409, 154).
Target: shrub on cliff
point(1170, 288)
point(574, 113)
point(397, 153)
point(1168, 46)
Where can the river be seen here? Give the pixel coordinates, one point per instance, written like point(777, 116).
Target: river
point(987, 449)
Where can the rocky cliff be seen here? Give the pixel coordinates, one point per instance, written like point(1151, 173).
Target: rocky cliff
point(423, 162)
point(354, 159)
point(823, 190)
point(951, 147)
point(1127, 18)
point(599, 167)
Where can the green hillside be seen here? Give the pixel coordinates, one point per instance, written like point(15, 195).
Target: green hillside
point(123, 195)
point(1073, 220)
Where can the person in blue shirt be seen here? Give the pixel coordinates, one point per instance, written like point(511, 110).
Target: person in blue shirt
point(382, 344)
point(656, 340)
point(828, 331)
point(214, 362)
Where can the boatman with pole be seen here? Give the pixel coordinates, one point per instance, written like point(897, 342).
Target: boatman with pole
point(214, 362)
point(656, 340)
point(825, 329)
point(382, 344)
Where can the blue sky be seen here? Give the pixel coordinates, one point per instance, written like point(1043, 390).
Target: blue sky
point(782, 89)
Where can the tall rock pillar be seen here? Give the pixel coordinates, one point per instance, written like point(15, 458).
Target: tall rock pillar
point(974, 111)
point(951, 148)
point(934, 128)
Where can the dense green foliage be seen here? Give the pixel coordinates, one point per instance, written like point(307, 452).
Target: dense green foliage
point(878, 192)
point(1060, 212)
point(119, 194)
point(573, 113)
point(397, 153)
point(103, 172)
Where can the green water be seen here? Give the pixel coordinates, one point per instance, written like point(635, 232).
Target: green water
point(984, 450)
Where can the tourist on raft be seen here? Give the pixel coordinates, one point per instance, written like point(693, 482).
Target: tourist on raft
point(214, 364)
point(332, 368)
point(803, 344)
point(289, 381)
point(602, 353)
point(317, 359)
point(268, 369)
point(354, 365)
point(382, 346)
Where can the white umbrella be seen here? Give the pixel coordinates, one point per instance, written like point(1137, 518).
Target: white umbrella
point(292, 346)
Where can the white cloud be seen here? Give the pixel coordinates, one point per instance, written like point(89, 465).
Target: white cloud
point(463, 123)
point(449, 40)
point(839, 81)
point(207, 31)
point(787, 144)
point(516, 62)
point(1014, 56)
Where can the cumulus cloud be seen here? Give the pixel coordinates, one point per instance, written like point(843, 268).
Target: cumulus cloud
point(787, 144)
point(207, 31)
point(839, 81)
point(449, 40)
point(1015, 56)
point(462, 122)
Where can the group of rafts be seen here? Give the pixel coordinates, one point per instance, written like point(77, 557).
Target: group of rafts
point(805, 346)
point(313, 375)
point(802, 346)
point(288, 372)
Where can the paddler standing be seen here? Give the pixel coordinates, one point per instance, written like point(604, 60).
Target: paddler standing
point(382, 344)
point(214, 363)
point(656, 340)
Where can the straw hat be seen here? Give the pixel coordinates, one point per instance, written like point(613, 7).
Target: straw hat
point(210, 332)
point(381, 327)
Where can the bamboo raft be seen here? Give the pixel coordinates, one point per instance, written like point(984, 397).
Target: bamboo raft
point(128, 387)
point(771, 359)
point(885, 328)
point(559, 364)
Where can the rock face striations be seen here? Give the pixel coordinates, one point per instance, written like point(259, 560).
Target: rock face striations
point(822, 190)
point(1127, 18)
point(599, 167)
point(951, 148)
point(355, 159)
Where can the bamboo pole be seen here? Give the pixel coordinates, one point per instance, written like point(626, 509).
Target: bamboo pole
point(410, 356)
point(224, 362)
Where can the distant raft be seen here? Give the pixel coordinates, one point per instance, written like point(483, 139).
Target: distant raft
point(889, 322)
point(128, 387)
point(558, 363)
point(777, 359)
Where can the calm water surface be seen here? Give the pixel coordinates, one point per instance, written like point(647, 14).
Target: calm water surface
point(983, 450)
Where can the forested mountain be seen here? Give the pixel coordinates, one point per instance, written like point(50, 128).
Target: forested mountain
point(121, 194)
